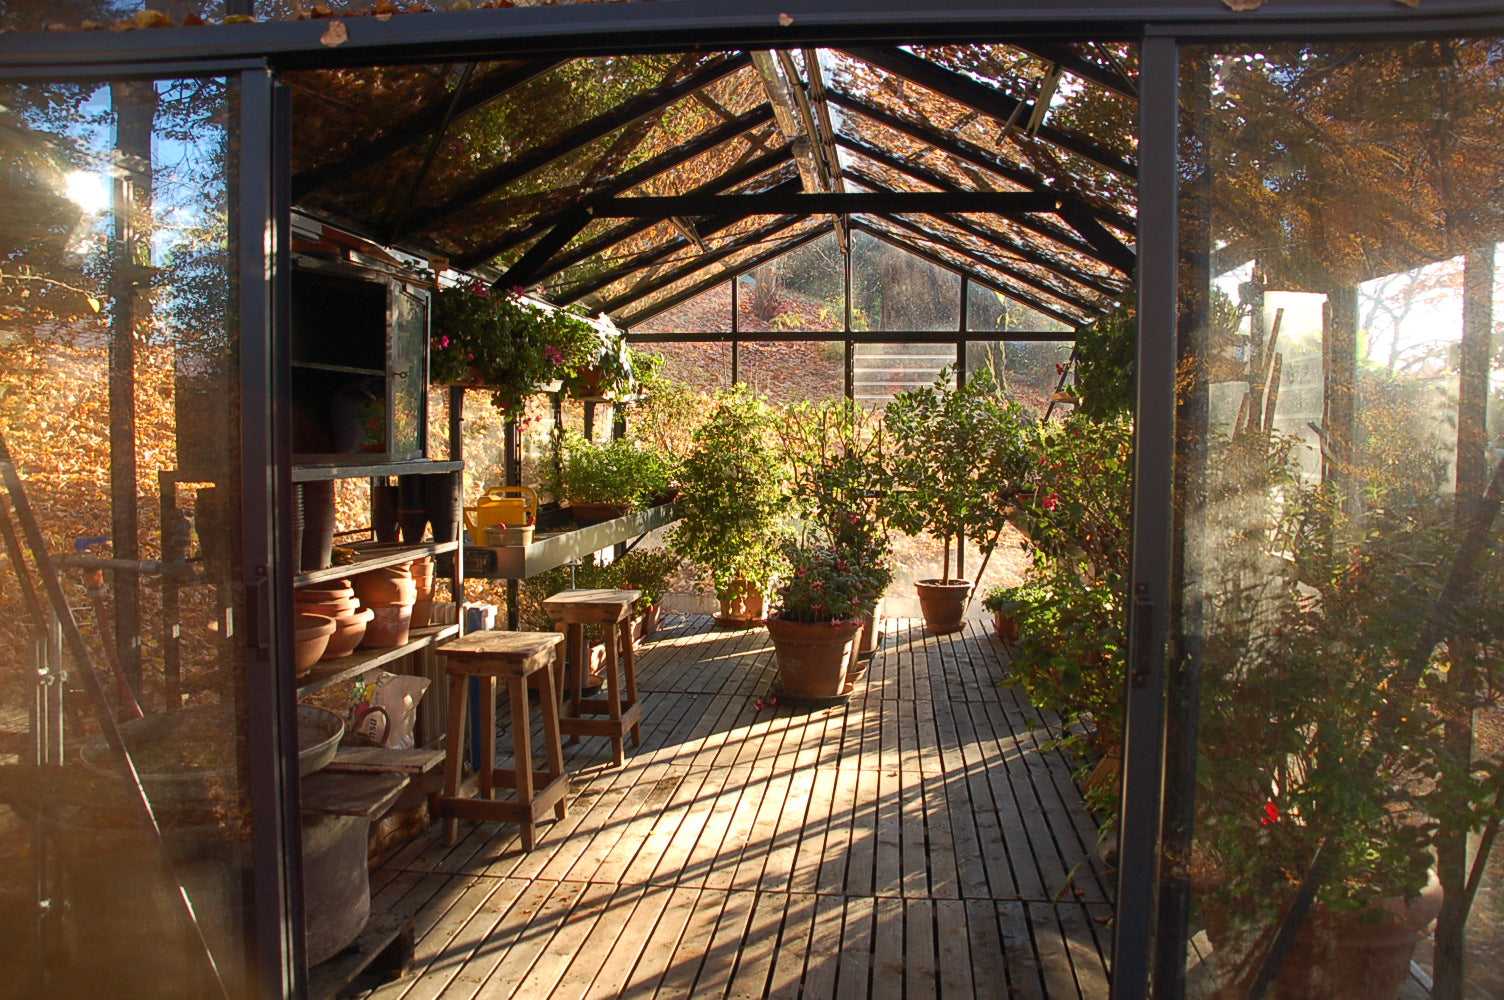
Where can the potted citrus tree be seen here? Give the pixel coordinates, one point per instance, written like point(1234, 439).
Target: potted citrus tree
point(734, 499)
point(959, 454)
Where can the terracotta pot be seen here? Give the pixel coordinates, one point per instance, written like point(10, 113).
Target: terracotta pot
point(334, 608)
point(324, 592)
point(943, 603)
point(388, 626)
point(384, 523)
point(744, 603)
point(1355, 955)
point(812, 656)
point(311, 634)
point(349, 630)
point(318, 524)
point(598, 513)
point(866, 644)
point(383, 588)
point(1006, 628)
point(647, 621)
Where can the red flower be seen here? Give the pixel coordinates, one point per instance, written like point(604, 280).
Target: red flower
point(1271, 813)
point(1051, 502)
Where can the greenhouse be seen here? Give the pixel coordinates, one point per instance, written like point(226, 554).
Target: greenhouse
point(736, 499)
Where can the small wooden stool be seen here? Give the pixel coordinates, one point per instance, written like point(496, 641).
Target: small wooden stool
point(574, 609)
point(523, 658)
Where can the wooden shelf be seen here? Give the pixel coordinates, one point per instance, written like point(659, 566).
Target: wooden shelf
point(373, 558)
point(328, 672)
point(519, 562)
point(319, 366)
point(313, 468)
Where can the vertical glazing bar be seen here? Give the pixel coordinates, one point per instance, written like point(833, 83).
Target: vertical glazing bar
point(1143, 750)
point(260, 242)
point(735, 329)
point(850, 348)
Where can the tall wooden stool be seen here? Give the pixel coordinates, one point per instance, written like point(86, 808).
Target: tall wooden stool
point(574, 609)
point(523, 658)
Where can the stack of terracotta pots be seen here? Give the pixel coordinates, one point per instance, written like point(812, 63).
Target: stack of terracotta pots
point(390, 594)
point(423, 577)
point(337, 603)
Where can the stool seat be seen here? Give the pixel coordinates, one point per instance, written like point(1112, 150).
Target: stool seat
point(523, 659)
point(574, 609)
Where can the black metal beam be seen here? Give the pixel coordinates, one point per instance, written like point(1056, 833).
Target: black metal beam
point(1077, 65)
point(581, 135)
point(485, 92)
point(858, 336)
point(1033, 256)
point(990, 101)
point(744, 205)
point(626, 180)
point(1022, 277)
point(698, 264)
point(962, 150)
point(731, 275)
point(522, 272)
point(650, 257)
point(1108, 245)
point(1013, 293)
point(748, 171)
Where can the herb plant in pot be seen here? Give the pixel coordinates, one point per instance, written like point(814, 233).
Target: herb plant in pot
point(650, 571)
point(960, 455)
point(734, 498)
point(605, 481)
point(1004, 604)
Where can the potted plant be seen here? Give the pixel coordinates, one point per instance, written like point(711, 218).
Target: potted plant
point(605, 481)
point(817, 618)
point(734, 496)
point(1004, 603)
point(651, 571)
point(960, 455)
point(838, 464)
point(611, 374)
point(506, 342)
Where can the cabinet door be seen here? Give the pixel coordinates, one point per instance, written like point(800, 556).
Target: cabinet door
point(407, 373)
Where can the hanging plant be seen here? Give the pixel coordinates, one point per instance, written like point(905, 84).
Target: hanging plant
point(505, 342)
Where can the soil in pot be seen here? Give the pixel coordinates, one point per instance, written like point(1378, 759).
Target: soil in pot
point(943, 603)
point(812, 656)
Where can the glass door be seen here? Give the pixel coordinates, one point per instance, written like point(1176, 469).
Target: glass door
point(1337, 595)
point(139, 789)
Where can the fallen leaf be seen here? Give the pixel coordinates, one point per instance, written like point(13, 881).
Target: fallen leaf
point(152, 19)
point(1409, 3)
point(785, 20)
point(335, 34)
point(1242, 5)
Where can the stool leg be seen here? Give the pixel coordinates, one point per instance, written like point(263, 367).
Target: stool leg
point(629, 661)
point(549, 704)
point(613, 698)
point(487, 765)
point(576, 643)
point(522, 752)
point(454, 747)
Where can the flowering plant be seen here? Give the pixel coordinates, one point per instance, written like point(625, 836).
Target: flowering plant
point(505, 342)
point(827, 583)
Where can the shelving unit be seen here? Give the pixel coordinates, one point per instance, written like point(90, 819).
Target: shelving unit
point(340, 467)
point(518, 562)
point(326, 673)
point(374, 558)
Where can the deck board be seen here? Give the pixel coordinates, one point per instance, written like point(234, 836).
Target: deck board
point(925, 840)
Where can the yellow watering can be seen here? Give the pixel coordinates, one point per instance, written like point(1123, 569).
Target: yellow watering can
point(508, 505)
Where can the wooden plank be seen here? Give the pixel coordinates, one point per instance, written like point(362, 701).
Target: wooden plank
point(804, 875)
point(1087, 961)
point(840, 835)
point(861, 869)
point(367, 759)
point(988, 967)
point(684, 963)
point(367, 795)
point(609, 955)
point(643, 979)
point(447, 948)
point(386, 942)
point(854, 978)
point(761, 837)
point(794, 815)
point(519, 941)
point(888, 877)
point(724, 947)
point(823, 961)
point(569, 941)
point(953, 950)
point(916, 836)
point(674, 865)
point(939, 846)
point(793, 948)
point(664, 825)
point(758, 948)
point(1019, 955)
point(888, 960)
point(920, 977)
point(1049, 945)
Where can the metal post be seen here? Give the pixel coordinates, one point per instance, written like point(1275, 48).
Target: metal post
point(735, 329)
point(1143, 752)
point(850, 351)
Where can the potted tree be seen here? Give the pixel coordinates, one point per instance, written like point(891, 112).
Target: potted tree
point(605, 481)
point(734, 497)
point(960, 454)
point(507, 343)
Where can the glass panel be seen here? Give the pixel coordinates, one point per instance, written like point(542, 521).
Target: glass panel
point(408, 370)
point(881, 371)
point(1029, 371)
point(706, 367)
point(895, 290)
point(37, 17)
point(989, 311)
point(801, 291)
point(1339, 588)
point(122, 415)
point(787, 371)
point(708, 312)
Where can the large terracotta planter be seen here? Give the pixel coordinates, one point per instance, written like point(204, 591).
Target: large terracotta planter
point(1358, 955)
point(742, 604)
point(943, 603)
point(812, 656)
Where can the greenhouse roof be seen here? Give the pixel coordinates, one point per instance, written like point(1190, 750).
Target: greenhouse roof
point(628, 184)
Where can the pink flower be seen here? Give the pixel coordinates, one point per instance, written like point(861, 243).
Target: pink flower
point(481, 290)
point(1051, 502)
point(553, 355)
point(444, 341)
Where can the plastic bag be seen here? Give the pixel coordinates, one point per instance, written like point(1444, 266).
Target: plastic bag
point(384, 707)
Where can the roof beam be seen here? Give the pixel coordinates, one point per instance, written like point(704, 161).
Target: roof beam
point(961, 250)
point(716, 279)
point(521, 273)
point(625, 181)
point(1072, 321)
point(581, 135)
point(1067, 239)
point(1108, 245)
point(485, 92)
point(743, 205)
point(1076, 65)
point(964, 151)
point(989, 101)
point(607, 240)
point(699, 264)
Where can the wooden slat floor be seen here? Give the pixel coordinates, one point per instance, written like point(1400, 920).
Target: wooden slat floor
point(922, 841)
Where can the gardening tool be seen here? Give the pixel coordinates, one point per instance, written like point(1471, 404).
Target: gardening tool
point(513, 506)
